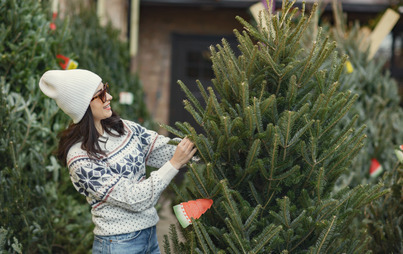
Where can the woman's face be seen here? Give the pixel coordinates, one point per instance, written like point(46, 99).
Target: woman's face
point(101, 110)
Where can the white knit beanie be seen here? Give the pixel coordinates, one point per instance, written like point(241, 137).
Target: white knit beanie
point(71, 89)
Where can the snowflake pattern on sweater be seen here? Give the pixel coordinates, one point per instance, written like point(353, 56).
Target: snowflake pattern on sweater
point(122, 200)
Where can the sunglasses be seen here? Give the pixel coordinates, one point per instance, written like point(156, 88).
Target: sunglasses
point(102, 94)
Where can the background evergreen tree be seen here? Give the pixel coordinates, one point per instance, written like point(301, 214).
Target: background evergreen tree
point(271, 151)
point(378, 108)
point(383, 218)
point(40, 212)
point(378, 102)
point(26, 51)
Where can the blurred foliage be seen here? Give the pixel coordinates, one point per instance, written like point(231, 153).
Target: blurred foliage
point(383, 219)
point(40, 211)
point(378, 104)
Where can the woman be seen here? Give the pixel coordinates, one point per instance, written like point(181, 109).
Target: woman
point(106, 157)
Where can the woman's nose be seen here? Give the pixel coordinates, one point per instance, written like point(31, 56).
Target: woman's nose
point(109, 97)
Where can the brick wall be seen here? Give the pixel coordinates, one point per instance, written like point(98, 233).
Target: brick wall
point(154, 57)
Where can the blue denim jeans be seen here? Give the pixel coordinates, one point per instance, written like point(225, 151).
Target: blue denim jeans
point(142, 241)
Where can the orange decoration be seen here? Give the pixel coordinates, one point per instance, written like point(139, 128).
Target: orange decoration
point(375, 168)
point(191, 209)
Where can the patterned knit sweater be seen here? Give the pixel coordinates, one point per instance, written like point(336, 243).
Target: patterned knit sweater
point(121, 197)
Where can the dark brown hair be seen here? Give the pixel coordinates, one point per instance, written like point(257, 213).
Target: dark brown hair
point(85, 132)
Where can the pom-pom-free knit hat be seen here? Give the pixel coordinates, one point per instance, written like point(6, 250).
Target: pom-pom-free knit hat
point(71, 89)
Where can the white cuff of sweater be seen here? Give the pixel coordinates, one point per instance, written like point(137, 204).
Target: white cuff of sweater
point(167, 172)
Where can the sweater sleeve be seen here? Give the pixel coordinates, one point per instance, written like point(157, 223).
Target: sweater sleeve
point(155, 146)
point(101, 187)
point(160, 151)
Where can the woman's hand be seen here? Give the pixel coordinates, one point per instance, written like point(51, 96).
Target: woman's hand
point(184, 152)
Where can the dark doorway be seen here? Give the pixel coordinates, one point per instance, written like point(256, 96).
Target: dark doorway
point(190, 62)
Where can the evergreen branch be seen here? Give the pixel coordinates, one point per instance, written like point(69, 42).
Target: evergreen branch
point(269, 200)
point(317, 106)
point(262, 91)
point(290, 123)
point(318, 62)
point(286, 174)
point(285, 210)
point(196, 174)
point(263, 171)
point(297, 32)
point(251, 30)
point(214, 129)
point(299, 133)
point(250, 121)
point(253, 153)
point(291, 91)
point(267, 57)
point(308, 62)
point(338, 204)
point(268, 234)
point(210, 173)
point(320, 182)
point(252, 60)
point(347, 129)
point(252, 217)
point(200, 237)
point(313, 145)
point(245, 94)
point(217, 85)
point(167, 247)
point(175, 239)
point(182, 127)
point(177, 191)
point(296, 221)
point(202, 92)
point(342, 113)
point(193, 112)
point(209, 110)
point(229, 89)
point(255, 194)
point(235, 234)
point(331, 91)
point(231, 244)
point(357, 140)
point(258, 115)
point(191, 97)
point(232, 209)
point(335, 147)
point(273, 157)
point(285, 13)
point(205, 146)
point(244, 43)
point(207, 238)
point(215, 102)
point(305, 21)
point(229, 53)
point(226, 126)
point(267, 103)
point(324, 235)
point(304, 154)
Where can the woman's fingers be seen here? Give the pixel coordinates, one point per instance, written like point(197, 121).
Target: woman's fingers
point(184, 152)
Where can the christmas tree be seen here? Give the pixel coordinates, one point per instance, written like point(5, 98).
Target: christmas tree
point(271, 151)
point(26, 48)
point(378, 108)
point(378, 103)
point(383, 219)
point(40, 211)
